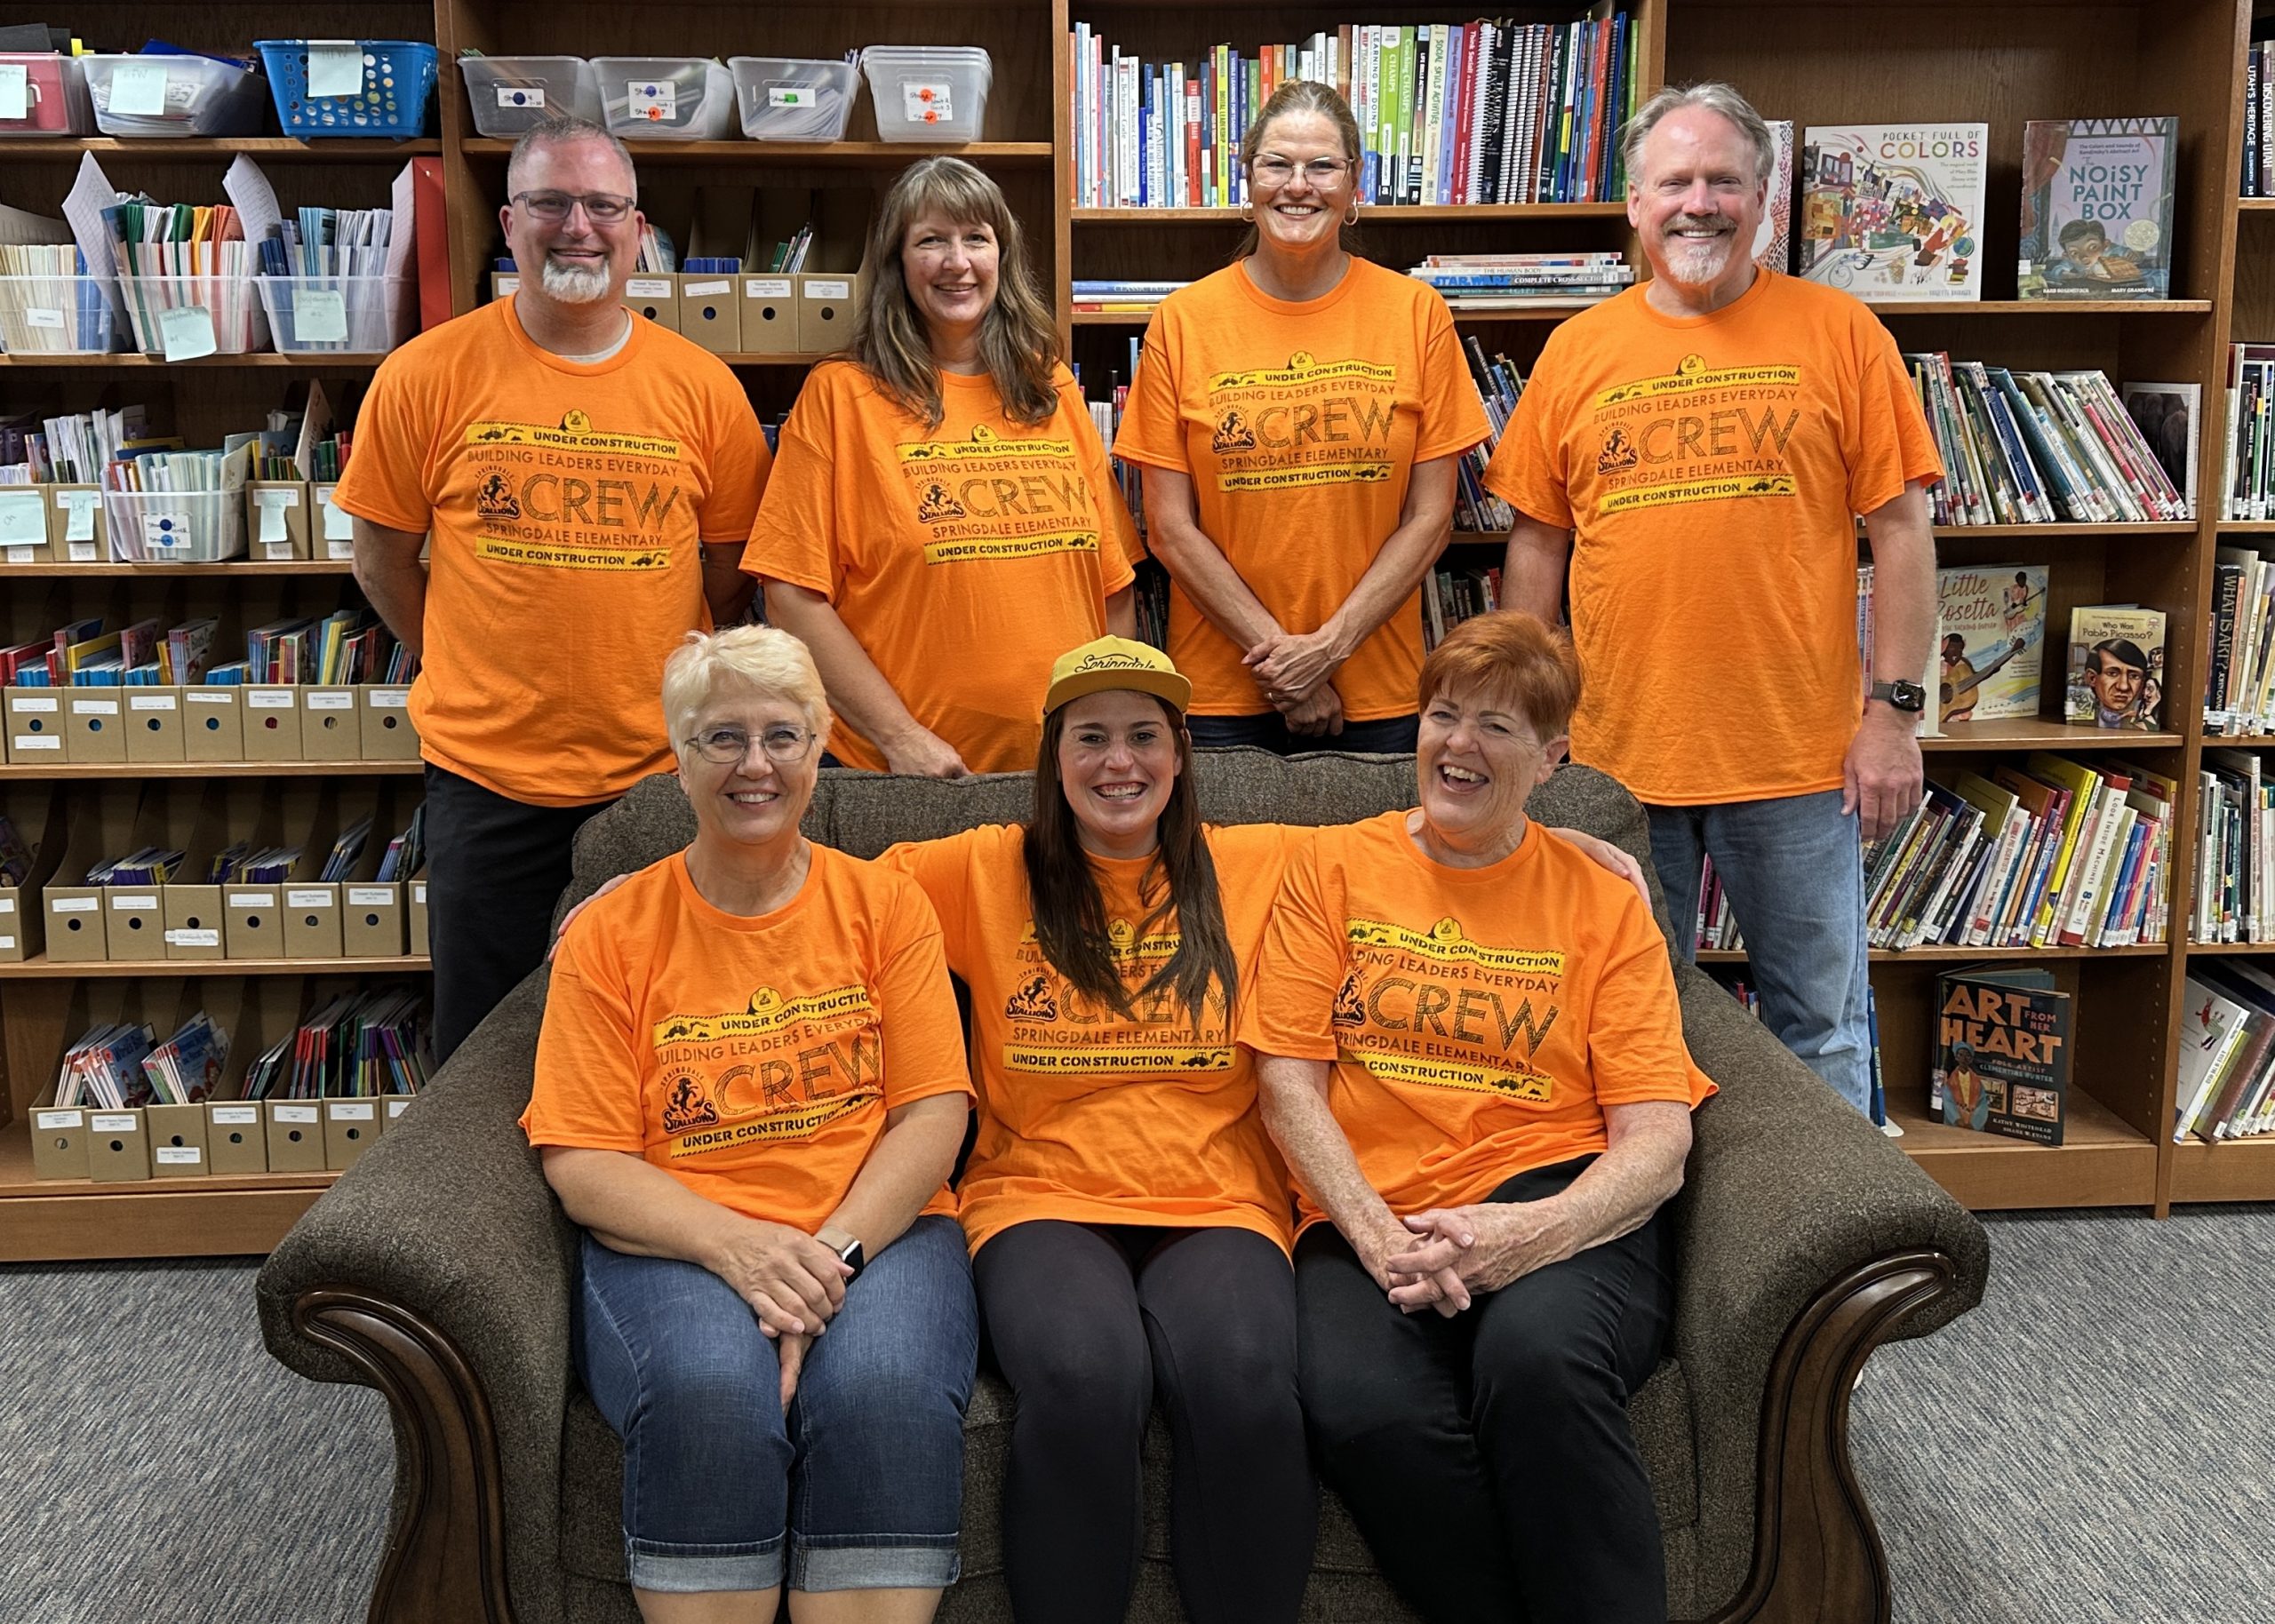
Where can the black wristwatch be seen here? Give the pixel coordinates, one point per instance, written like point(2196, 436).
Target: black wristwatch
point(850, 1255)
point(1903, 695)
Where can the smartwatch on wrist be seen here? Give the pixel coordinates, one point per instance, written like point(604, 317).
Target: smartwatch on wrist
point(850, 1255)
point(1906, 696)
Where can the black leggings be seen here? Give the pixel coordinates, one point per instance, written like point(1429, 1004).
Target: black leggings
point(1087, 1321)
point(1487, 1457)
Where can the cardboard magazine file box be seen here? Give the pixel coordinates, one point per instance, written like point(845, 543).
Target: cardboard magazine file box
point(371, 911)
point(389, 734)
point(295, 1130)
point(94, 721)
point(102, 826)
point(415, 914)
point(76, 533)
point(212, 722)
point(349, 1127)
point(134, 924)
point(769, 318)
point(236, 1141)
point(836, 271)
point(656, 297)
point(334, 528)
point(395, 1104)
point(272, 723)
point(330, 728)
point(36, 734)
point(237, 1129)
point(276, 519)
point(710, 315)
point(504, 284)
point(152, 724)
point(42, 816)
point(119, 1147)
point(58, 1138)
point(191, 907)
point(297, 916)
point(23, 526)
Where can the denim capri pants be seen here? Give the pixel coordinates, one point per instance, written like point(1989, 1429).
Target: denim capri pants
point(859, 1486)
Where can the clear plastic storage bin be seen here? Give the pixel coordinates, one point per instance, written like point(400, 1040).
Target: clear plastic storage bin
point(354, 316)
point(54, 316)
point(164, 314)
point(509, 93)
point(173, 96)
point(936, 93)
point(371, 87)
point(152, 527)
point(55, 95)
point(666, 98)
point(790, 99)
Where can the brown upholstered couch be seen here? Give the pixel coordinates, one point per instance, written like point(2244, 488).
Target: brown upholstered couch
point(439, 1271)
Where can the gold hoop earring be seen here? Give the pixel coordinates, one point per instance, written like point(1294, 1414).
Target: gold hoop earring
point(1247, 213)
point(1351, 219)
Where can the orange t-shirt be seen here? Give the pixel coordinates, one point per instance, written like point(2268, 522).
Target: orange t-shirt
point(1299, 425)
point(752, 1059)
point(566, 505)
point(1480, 1020)
point(1711, 469)
point(963, 560)
point(1084, 1115)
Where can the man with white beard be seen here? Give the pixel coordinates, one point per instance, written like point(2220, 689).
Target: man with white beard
point(1696, 452)
point(584, 482)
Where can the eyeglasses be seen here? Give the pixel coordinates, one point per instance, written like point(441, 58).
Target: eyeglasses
point(783, 745)
point(600, 208)
point(1274, 170)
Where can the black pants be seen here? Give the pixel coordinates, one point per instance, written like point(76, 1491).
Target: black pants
point(495, 868)
point(1487, 1457)
point(1387, 735)
point(1087, 1321)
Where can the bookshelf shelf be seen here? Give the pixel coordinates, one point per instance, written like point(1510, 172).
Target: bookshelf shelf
point(18, 772)
point(2044, 306)
point(1399, 214)
point(259, 358)
point(2038, 733)
point(1970, 955)
point(78, 1218)
point(867, 155)
point(2228, 950)
point(227, 571)
point(2255, 205)
point(280, 148)
point(2239, 741)
point(43, 968)
point(2236, 1170)
point(2102, 1162)
point(2246, 526)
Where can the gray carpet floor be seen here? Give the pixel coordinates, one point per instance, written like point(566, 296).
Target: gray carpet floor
point(2088, 1447)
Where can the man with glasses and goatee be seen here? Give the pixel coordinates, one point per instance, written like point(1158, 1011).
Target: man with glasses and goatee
point(583, 481)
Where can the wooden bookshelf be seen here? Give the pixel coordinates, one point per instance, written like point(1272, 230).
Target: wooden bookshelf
point(40, 968)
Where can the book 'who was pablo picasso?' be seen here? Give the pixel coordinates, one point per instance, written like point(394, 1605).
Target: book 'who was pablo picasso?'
point(2097, 208)
point(1894, 212)
point(2116, 668)
point(2002, 1053)
point(1991, 639)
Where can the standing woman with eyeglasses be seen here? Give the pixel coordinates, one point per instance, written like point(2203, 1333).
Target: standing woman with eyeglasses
point(941, 524)
point(1299, 415)
point(581, 481)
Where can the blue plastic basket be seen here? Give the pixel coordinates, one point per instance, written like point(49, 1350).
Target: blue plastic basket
point(398, 79)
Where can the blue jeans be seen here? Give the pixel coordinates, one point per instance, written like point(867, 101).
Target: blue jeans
point(859, 1486)
point(1794, 869)
point(1387, 736)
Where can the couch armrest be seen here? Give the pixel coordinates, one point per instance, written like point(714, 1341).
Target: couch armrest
point(438, 1270)
point(1808, 1238)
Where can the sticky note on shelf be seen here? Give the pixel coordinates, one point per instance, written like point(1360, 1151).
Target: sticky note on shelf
point(335, 68)
point(79, 514)
point(270, 505)
point(319, 316)
point(138, 90)
point(23, 519)
point(15, 91)
point(185, 332)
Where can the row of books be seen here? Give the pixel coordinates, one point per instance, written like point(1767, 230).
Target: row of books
point(1484, 112)
point(2235, 849)
point(241, 862)
point(120, 1065)
point(1121, 297)
point(2049, 853)
point(2258, 177)
point(1499, 386)
point(347, 647)
point(1515, 282)
point(1450, 596)
point(2021, 447)
point(2248, 466)
point(2227, 1053)
point(358, 1044)
point(2239, 677)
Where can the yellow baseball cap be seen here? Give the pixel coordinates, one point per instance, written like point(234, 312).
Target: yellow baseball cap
point(1116, 662)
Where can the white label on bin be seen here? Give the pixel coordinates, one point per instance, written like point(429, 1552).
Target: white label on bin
point(793, 95)
point(7, 943)
point(339, 524)
point(296, 1113)
point(925, 101)
point(319, 316)
point(43, 703)
point(335, 68)
point(193, 938)
point(706, 290)
point(369, 896)
point(502, 285)
point(234, 1115)
point(253, 899)
point(94, 707)
point(72, 904)
point(7, 904)
point(307, 899)
point(23, 519)
point(15, 91)
point(22, 553)
point(78, 513)
point(419, 892)
point(269, 698)
point(82, 551)
point(185, 332)
point(352, 1111)
point(138, 90)
point(520, 96)
point(767, 287)
point(178, 1155)
point(151, 702)
point(657, 100)
point(210, 698)
point(648, 287)
point(167, 531)
point(36, 741)
point(133, 904)
point(829, 289)
point(120, 1123)
point(35, 317)
point(388, 699)
point(55, 1121)
point(333, 701)
point(396, 1108)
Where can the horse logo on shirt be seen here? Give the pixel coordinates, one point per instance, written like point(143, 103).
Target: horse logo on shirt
point(937, 504)
point(495, 499)
point(1618, 453)
point(1233, 433)
point(686, 1107)
point(1033, 1002)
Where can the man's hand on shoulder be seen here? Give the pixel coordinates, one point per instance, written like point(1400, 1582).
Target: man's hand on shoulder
point(1880, 779)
